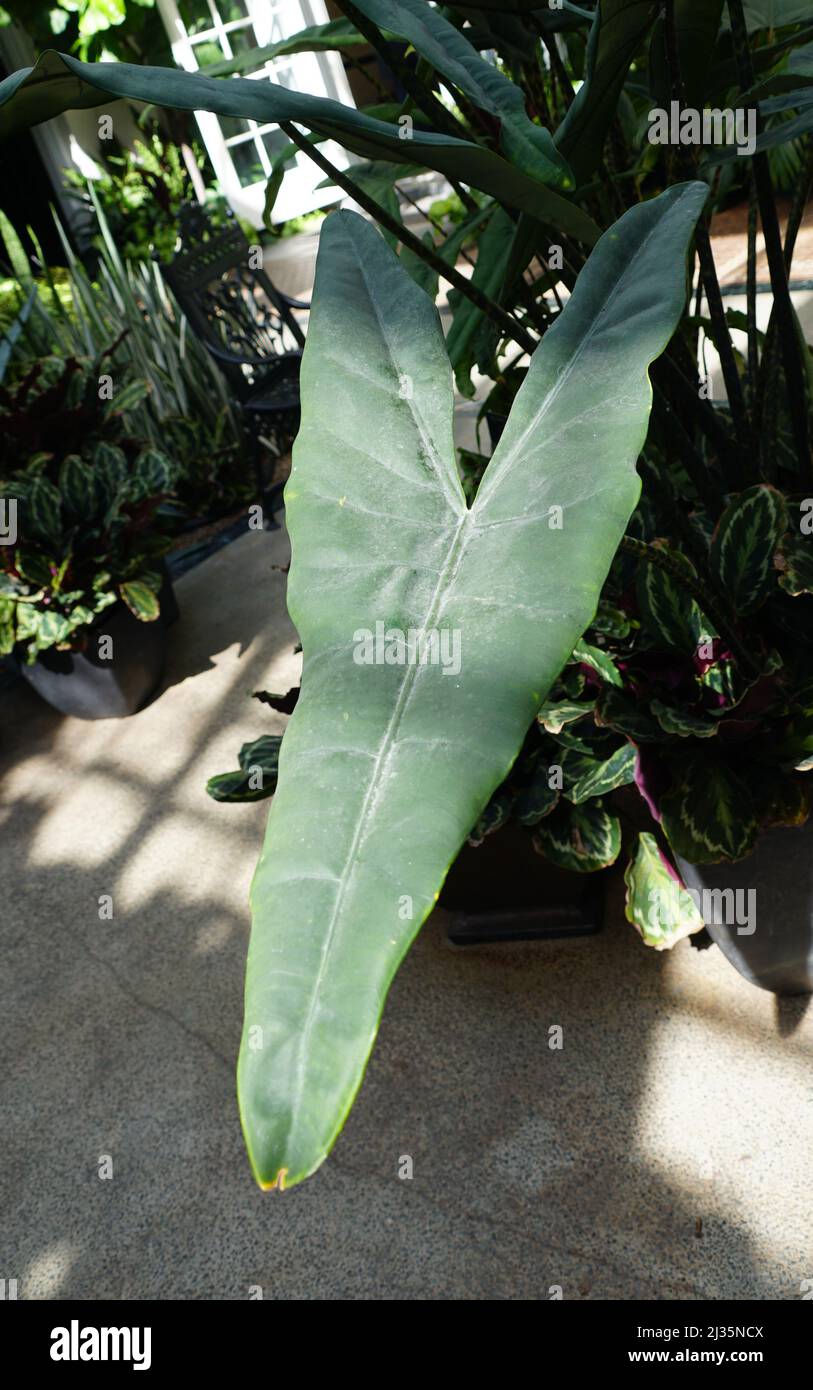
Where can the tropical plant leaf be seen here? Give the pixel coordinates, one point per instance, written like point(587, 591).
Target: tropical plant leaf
point(668, 611)
point(599, 661)
point(256, 778)
point(336, 34)
point(77, 487)
point(618, 30)
point(539, 798)
point(681, 722)
point(616, 771)
point(529, 147)
point(463, 341)
point(657, 903)
point(42, 510)
point(141, 599)
point(583, 839)
point(742, 552)
point(555, 714)
point(795, 563)
point(709, 816)
point(385, 767)
point(59, 82)
point(696, 30)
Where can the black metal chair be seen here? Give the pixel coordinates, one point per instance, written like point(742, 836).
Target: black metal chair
point(248, 327)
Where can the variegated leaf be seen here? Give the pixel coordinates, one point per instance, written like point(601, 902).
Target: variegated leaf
point(141, 599)
point(599, 661)
point(555, 715)
point(583, 838)
point(657, 903)
point(742, 551)
point(616, 771)
point(78, 488)
point(668, 610)
point(709, 816)
point(681, 722)
point(539, 798)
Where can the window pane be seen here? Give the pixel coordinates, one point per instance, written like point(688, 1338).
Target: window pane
point(231, 9)
point(233, 125)
point(274, 140)
point(247, 162)
point(241, 40)
point(208, 52)
point(196, 15)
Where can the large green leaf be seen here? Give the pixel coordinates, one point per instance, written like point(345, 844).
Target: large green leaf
point(530, 147)
point(386, 766)
point(60, 83)
point(618, 29)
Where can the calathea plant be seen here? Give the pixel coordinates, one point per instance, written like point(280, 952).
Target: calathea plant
point(661, 641)
point(85, 499)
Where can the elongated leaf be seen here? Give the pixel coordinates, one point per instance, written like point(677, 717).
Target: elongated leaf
point(388, 760)
point(530, 147)
point(60, 83)
point(619, 27)
point(470, 339)
point(658, 904)
point(616, 771)
point(742, 554)
point(696, 29)
point(316, 38)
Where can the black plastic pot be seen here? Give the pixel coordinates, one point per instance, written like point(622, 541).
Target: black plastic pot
point(86, 686)
point(773, 950)
point(502, 890)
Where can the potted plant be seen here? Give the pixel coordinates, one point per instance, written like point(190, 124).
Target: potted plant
point(84, 594)
point(552, 638)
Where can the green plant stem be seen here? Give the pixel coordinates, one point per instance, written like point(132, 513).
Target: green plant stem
point(751, 292)
point(504, 321)
point(651, 555)
point(783, 307)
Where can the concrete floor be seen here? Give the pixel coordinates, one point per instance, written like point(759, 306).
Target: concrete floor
point(663, 1153)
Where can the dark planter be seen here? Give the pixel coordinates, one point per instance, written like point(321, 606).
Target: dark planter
point(502, 890)
point(83, 685)
point(778, 953)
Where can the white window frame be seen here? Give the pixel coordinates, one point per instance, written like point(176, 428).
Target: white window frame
point(320, 74)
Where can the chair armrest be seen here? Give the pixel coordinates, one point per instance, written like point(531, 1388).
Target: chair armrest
point(294, 303)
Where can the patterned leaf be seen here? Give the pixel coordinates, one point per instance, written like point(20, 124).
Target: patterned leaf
point(619, 712)
point(582, 838)
point(795, 561)
point(709, 816)
point(110, 467)
point(779, 799)
point(152, 474)
point(496, 814)
point(77, 486)
point(682, 722)
point(555, 715)
point(658, 905)
point(141, 599)
point(42, 510)
point(616, 771)
point(668, 611)
point(601, 662)
point(742, 551)
point(538, 799)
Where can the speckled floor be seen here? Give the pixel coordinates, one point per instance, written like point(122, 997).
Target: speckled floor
point(663, 1152)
